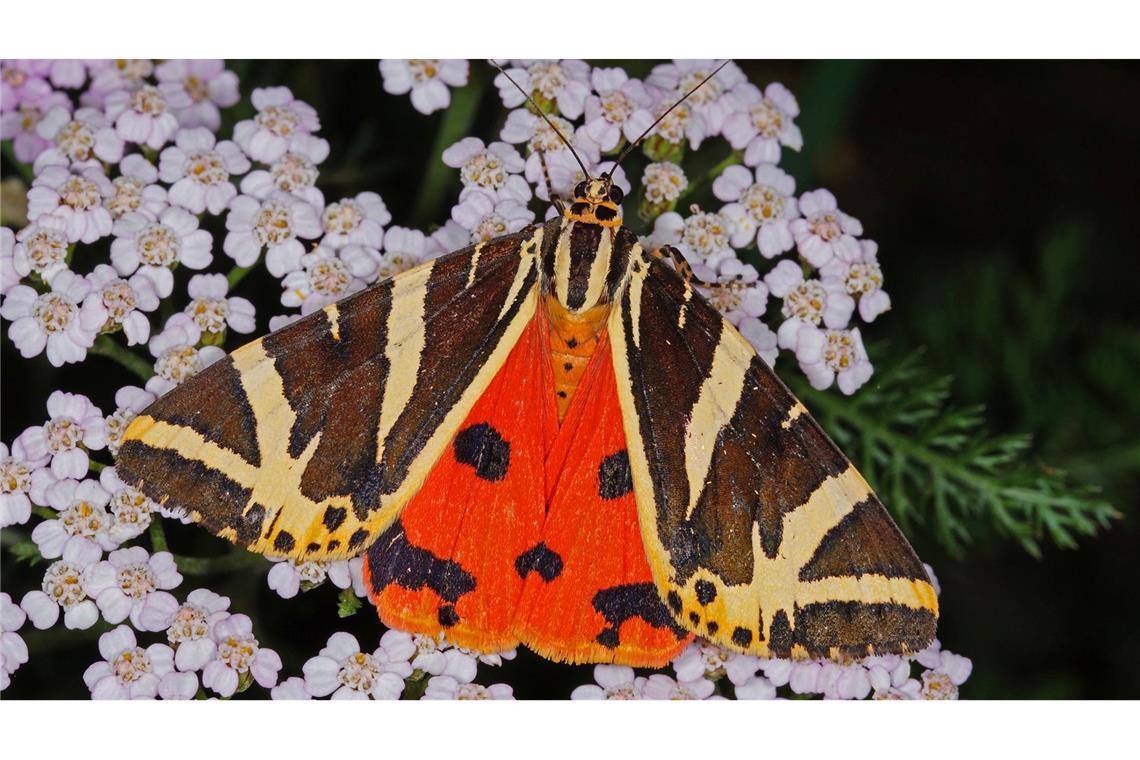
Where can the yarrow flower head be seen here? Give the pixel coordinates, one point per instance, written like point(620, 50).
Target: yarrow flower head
point(491, 168)
point(613, 682)
point(427, 79)
point(211, 309)
point(189, 628)
point(119, 304)
point(146, 116)
point(702, 236)
point(863, 280)
point(64, 588)
point(761, 206)
point(17, 482)
point(207, 84)
point(199, 169)
point(762, 122)
point(240, 658)
point(135, 189)
point(131, 582)
point(130, 672)
point(323, 279)
point(294, 173)
point(825, 231)
point(288, 577)
point(131, 510)
point(176, 355)
point(827, 356)
point(712, 101)
point(129, 401)
point(280, 118)
point(79, 140)
point(21, 124)
point(563, 85)
point(75, 198)
point(82, 518)
point(487, 218)
point(156, 247)
point(75, 427)
point(273, 224)
point(13, 650)
point(621, 108)
point(343, 670)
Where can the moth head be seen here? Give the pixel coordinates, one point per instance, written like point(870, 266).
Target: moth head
point(597, 200)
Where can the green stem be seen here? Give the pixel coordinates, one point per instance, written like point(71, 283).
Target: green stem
point(456, 123)
point(157, 535)
point(105, 346)
point(25, 170)
point(237, 274)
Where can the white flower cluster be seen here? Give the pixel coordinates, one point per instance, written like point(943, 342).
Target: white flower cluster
point(130, 178)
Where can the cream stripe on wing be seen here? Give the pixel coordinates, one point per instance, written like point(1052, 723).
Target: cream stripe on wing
point(404, 349)
point(599, 268)
point(562, 263)
point(716, 404)
point(474, 265)
point(528, 254)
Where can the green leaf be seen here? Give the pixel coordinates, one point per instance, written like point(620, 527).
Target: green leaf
point(348, 603)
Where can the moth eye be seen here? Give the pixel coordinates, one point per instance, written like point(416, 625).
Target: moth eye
point(580, 190)
point(616, 195)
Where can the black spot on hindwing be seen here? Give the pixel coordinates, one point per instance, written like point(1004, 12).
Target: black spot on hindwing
point(482, 447)
point(620, 603)
point(614, 476)
point(393, 559)
point(542, 560)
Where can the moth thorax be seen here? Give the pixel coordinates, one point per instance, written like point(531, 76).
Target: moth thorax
point(581, 266)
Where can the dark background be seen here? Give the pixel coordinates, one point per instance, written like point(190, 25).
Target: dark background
point(1003, 196)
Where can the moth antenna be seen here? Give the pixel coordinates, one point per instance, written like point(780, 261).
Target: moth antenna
point(633, 145)
point(540, 112)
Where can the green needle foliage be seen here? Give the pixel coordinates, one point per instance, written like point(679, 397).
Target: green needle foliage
point(937, 465)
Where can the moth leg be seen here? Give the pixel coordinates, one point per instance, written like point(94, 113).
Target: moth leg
point(554, 199)
point(681, 264)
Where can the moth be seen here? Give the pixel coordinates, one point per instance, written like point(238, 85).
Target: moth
point(550, 438)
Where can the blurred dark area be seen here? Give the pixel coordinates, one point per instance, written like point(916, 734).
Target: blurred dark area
point(1004, 199)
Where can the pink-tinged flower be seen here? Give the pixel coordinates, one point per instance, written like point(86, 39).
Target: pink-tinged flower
point(712, 100)
point(825, 231)
point(129, 401)
point(175, 685)
point(945, 672)
point(70, 73)
point(288, 576)
point(64, 587)
point(705, 660)
point(112, 76)
point(762, 122)
point(887, 672)
point(280, 118)
point(9, 277)
point(15, 486)
point(294, 173)
point(450, 237)
point(212, 311)
point(41, 249)
point(131, 510)
point(75, 426)
point(428, 80)
point(52, 320)
point(323, 279)
point(355, 221)
point(623, 106)
point(542, 141)
point(564, 84)
point(188, 629)
point(662, 185)
point(135, 189)
point(199, 169)
point(119, 304)
point(702, 236)
point(740, 292)
point(676, 126)
point(78, 140)
point(404, 249)
point(493, 168)
point(762, 207)
point(21, 81)
point(661, 686)
point(13, 650)
point(128, 671)
point(487, 218)
point(176, 357)
point(240, 658)
point(132, 582)
point(82, 519)
point(146, 115)
point(807, 302)
point(272, 224)
point(613, 682)
point(74, 198)
point(491, 658)
point(446, 687)
point(430, 652)
point(293, 687)
point(757, 687)
point(863, 279)
point(209, 85)
point(346, 672)
point(21, 125)
point(827, 356)
point(761, 337)
point(154, 248)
